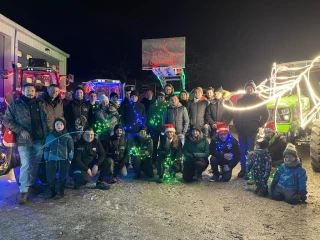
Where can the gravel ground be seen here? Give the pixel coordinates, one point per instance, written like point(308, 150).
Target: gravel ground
point(143, 209)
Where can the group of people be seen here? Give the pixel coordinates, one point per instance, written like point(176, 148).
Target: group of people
point(171, 133)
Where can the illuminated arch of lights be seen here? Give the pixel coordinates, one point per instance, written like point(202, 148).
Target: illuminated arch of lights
point(275, 87)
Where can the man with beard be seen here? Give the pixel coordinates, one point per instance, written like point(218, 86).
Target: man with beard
point(117, 153)
point(247, 123)
point(141, 149)
point(77, 109)
point(27, 119)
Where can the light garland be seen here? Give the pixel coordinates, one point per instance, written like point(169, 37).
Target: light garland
point(275, 87)
point(156, 120)
point(139, 118)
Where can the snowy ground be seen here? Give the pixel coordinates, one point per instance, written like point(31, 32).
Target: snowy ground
point(143, 209)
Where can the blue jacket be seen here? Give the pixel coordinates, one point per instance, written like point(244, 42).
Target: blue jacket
point(290, 178)
point(58, 148)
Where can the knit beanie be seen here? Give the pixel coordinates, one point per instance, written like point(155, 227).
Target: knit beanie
point(250, 84)
point(262, 143)
point(270, 127)
point(290, 150)
point(61, 120)
point(161, 94)
point(219, 89)
point(103, 98)
point(117, 126)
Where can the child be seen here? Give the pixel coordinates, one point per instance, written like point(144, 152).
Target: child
point(58, 153)
point(290, 181)
point(260, 162)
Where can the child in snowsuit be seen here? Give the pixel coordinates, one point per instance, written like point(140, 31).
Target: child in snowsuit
point(58, 153)
point(290, 181)
point(260, 163)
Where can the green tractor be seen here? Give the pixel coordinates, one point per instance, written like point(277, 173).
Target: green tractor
point(288, 117)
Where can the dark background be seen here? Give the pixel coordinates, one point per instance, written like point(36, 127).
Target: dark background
point(227, 42)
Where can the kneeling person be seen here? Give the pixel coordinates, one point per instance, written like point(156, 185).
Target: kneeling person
point(225, 152)
point(169, 153)
point(117, 153)
point(141, 148)
point(89, 157)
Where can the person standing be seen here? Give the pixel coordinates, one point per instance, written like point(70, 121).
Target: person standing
point(26, 117)
point(248, 122)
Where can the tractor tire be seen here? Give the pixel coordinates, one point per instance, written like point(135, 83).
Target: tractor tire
point(315, 146)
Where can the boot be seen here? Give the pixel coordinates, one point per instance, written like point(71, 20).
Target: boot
point(263, 192)
point(51, 192)
point(23, 197)
point(59, 195)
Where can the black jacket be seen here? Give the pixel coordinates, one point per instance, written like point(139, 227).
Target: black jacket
point(249, 121)
point(73, 110)
point(165, 149)
point(117, 149)
point(133, 115)
point(276, 149)
point(218, 148)
point(87, 153)
point(216, 112)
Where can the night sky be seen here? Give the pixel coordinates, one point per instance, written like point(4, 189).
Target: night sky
point(232, 41)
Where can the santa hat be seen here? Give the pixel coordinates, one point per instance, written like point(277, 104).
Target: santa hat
point(168, 128)
point(9, 139)
point(222, 128)
point(270, 127)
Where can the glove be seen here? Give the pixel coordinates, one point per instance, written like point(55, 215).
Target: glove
point(303, 195)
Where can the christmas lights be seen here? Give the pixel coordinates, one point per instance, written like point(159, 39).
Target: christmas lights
point(156, 120)
point(139, 118)
point(275, 87)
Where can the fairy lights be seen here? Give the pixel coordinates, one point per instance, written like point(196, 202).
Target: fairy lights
point(275, 87)
point(139, 119)
point(156, 120)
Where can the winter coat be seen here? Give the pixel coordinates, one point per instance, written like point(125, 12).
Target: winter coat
point(18, 118)
point(260, 163)
point(117, 149)
point(154, 116)
point(290, 178)
point(178, 116)
point(197, 111)
point(276, 148)
point(59, 147)
point(133, 115)
point(106, 120)
point(249, 121)
point(173, 149)
point(139, 145)
point(147, 103)
point(87, 153)
point(218, 148)
point(73, 110)
point(53, 108)
point(198, 147)
point(216, 112)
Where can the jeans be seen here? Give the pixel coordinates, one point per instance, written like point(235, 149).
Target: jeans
point(52, 167)
point(30, 157)
point(116, 167)
point(246, 144)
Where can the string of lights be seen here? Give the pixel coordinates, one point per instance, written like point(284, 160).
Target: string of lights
point(275, 87)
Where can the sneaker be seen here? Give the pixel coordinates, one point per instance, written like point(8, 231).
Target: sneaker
point(263, 193)
point(112, 180)
point(256, 191)
point(214, 178)
point(23, 197)
point(124, 171)
point(160, 180)
point(35, 189)
point(136, 176)
point(199, 177)
point(102, 186)
point(242, 174)
point(251, 182)
point(59, 196)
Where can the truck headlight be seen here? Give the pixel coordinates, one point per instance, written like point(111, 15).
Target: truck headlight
point(286, 117)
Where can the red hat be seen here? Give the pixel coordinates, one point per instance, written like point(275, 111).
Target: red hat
point(270, 127)
point(9, 139)
point(222, 128)
point(168, 128)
